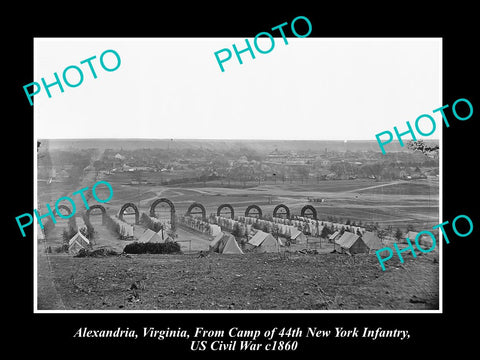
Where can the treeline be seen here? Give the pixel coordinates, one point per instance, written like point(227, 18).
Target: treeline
point(188, 180)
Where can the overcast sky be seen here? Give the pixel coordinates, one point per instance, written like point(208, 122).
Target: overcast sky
point(312, 88)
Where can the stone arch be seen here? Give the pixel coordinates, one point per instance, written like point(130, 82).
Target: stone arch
point(228, 206)
point(65, 207)
point(172, 210)
point(311, 209)
point(104, 212)
point(256, 207)
point(198, 206)
point(281, 206)
point(125, 207)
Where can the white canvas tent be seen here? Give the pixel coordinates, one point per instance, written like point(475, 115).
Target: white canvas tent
point(78, 242)
point(411, 235)
point(351, 243)
point(216, 241)
point(225, 243)
point(166, 237)
point(298, 237)
point(125, 229)
point(372, 241)
point(215, 230)
point(231, 246)
point(150, 236)
point(264, 242)
point(425, 241)
point(334, 236)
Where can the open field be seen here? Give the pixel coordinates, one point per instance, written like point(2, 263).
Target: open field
point(385, 203)
point(396, 203)
point(276, 281)
point(322, 281)
point(245, 282)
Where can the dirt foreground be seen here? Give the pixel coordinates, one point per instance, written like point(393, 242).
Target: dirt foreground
point(243, 282)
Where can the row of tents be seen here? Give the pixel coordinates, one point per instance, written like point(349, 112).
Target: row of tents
point(79, 241)
point(126, 230)
point(165, 223)
point(157, 237)
point(245, 224)
point(354, 244)
point(200, 225)
point(308, 226)
point(285, 230)
point(261, 242)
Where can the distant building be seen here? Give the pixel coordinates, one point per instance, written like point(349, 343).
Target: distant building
point(242, 160)
point(290, 158)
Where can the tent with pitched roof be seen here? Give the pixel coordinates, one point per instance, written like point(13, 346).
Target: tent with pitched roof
point(78, 242)
point(163, 236)
point(411, 235)
point(231, 246)
point(372, 241)
point(225, 243)
point(425, 241)
point(263, 242)
point(351, 243)
point(215, 243)
point(215, 229)
point(336, 235)
point(298, 237)
point(150, 236)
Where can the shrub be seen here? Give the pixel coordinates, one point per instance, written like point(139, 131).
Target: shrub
point(152, 248)
point(398, 234)
point(63, 248)
point(325, 232)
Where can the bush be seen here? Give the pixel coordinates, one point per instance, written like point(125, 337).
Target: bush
point(325, 232)
point(152, 248)
point(60, 249)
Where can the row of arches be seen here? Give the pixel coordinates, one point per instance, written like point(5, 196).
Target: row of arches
point(252, 210)
point(198, 209)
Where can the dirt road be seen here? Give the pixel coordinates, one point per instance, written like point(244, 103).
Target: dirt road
point(48, 297)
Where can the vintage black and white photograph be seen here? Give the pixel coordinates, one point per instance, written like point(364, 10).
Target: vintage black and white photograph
point(166, 184)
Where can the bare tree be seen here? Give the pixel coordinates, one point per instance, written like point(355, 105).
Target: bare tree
point(419, 145)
